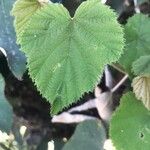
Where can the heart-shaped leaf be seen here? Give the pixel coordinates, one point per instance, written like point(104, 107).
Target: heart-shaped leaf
point(66, 56)
point(130, 125)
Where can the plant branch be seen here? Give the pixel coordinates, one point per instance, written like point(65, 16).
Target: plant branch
point(120, 83)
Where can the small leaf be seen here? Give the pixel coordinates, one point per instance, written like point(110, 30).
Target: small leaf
point(23, 10)
point(66, 56)
point(142, 66)
point(88, 135)
point(130, 125)
point(141, 88)
point(6, 114)
point(16, 59)
point(137, 35)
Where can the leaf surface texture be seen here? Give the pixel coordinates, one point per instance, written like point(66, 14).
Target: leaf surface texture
point(137, 35)
point(130, 125)
point(23, 10)
point(142, 66)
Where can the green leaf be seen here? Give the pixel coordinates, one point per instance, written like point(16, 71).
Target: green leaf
point(59, 143)
point(141, 88)
point(23, 10)
point(6, 114)
point(137, 35)
point(88, 135)
point(130, 125)
point(66, 56)
point(142, 66)
point(43, 145)
point(16, 59)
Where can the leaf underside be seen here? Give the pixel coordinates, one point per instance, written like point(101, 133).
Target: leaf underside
point(141, 88)
point(137, 35)
point(66, 56)
point(130, 125)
